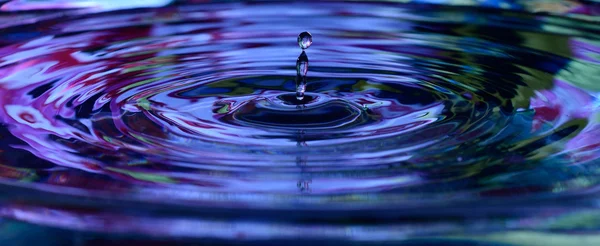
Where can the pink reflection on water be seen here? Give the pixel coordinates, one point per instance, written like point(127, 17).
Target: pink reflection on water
point(26, 5)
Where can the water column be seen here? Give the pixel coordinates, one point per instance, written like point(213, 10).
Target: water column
point(304, 41)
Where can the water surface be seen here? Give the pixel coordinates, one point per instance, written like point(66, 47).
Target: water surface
point(419, 120)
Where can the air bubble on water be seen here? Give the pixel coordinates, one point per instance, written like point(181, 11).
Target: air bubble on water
point(304, 40)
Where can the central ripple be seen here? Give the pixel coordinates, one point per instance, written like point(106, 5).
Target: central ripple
point(286, 112)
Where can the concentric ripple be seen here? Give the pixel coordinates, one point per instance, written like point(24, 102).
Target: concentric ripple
point(406, 105)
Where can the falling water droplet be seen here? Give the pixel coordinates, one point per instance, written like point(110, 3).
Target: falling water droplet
point(301, 71)
point(304, 40)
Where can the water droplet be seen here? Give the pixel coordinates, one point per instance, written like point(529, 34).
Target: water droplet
point(301, 71)
point(302, 65)
point(304, 40)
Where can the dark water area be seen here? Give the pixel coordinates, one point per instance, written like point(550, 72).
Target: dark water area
point(420, 123)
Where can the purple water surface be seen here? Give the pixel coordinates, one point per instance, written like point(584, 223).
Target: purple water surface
point(412, 111)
